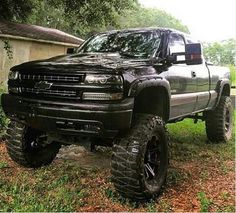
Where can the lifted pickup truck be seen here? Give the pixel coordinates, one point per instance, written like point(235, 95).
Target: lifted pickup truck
point(119, 89)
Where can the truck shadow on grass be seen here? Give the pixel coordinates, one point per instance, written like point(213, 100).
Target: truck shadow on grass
point(188, 143)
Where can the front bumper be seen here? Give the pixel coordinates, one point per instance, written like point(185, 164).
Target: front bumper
point(103, 119)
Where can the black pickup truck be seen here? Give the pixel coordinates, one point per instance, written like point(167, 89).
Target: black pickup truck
point(119, 89)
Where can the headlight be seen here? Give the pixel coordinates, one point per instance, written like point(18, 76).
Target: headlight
point(13, 75)
point(103, 79)
point(101, 96)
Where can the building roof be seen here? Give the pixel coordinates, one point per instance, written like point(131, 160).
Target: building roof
point(37, 33)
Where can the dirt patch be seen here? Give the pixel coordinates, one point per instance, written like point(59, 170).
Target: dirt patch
point(218, 186)
point(98, 159)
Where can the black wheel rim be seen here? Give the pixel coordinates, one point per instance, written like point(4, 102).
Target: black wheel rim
point(227, 120)
point(35, 140)
point(38, 142)
point(152, 160)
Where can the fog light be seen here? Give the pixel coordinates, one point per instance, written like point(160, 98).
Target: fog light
point(102, 96)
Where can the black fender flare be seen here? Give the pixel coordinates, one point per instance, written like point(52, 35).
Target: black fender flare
point(142, 83)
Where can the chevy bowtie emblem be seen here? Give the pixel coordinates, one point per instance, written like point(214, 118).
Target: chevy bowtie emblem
point(43, 85)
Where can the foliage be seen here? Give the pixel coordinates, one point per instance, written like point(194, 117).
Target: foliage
point(8, 48)
point(95, 16)
point(148, 17)
point(79, 17)
point(46, 15)
point(84, 17)
point(15, 9)
point(221, 53)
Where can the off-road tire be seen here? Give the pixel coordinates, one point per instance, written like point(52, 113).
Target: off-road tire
point(129, 155)
point(19, 146)
point(219, 122)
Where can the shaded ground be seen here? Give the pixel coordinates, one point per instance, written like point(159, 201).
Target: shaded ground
point(201, 178)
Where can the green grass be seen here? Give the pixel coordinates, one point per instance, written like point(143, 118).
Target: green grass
point(53, 188)
point(65, 186)
point(189, 142)
point(3, 165)
point(233, 75)
point(228, 208)
point(204, 202)
point(151, 206)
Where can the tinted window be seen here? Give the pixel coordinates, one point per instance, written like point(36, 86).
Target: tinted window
point(128, 44)
point(176, 43)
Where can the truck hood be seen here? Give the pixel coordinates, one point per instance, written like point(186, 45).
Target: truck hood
point(104, 61)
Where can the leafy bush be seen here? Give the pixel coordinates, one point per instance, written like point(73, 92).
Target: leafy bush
point(3, 118)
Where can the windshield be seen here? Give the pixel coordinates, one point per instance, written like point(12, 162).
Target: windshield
point(127, 44)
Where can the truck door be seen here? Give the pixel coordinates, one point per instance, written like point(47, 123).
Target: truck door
point(182, 81)
point(203, 94)
point(201, 73)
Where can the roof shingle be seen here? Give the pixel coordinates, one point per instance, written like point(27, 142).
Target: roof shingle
point(37, 32)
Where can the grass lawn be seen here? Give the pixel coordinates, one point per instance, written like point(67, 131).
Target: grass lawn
point(233, 75)
point(201, 178)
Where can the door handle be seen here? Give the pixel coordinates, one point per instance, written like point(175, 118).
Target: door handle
point(194, 75)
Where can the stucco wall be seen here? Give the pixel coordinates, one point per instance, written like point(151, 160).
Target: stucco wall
point(26, 51)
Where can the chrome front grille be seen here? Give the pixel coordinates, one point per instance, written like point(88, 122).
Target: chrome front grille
point(61, 85)
point(63, 78)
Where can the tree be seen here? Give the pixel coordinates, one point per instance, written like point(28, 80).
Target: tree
point(15, 9)
point(80, 17)
point(74, 16)
point(147, 17)
point(48, 15)
point(221, 53)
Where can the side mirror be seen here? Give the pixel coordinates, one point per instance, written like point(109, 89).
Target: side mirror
point(193, 54)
